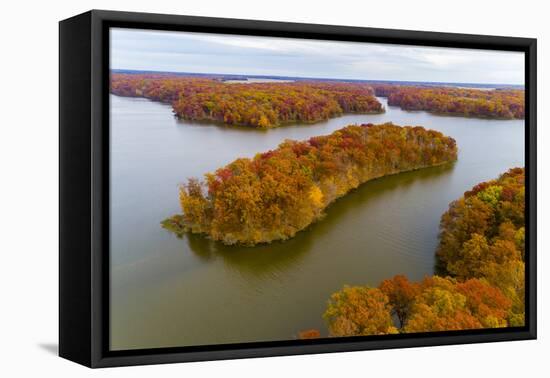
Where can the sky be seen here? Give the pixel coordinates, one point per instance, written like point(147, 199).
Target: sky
point(147, 50)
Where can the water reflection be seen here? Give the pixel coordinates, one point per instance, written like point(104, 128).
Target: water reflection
point(257, 260)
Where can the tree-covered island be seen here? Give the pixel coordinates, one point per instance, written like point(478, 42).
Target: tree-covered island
point(454, 101)
point(258, 105)
point(280, 192)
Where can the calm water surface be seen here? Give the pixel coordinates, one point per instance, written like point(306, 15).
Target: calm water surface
point(168, 292)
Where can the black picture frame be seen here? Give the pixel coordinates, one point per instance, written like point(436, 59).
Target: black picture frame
point(84, 187)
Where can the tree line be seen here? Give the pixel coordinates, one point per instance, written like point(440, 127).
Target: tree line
point(261, 105)
point(498, 103)
point(280, 192)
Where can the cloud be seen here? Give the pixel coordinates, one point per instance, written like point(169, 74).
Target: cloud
point(229, 54)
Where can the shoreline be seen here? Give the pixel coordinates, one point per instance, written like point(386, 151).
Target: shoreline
point(240, 125)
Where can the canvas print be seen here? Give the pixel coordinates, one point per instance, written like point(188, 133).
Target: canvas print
point(272, 189)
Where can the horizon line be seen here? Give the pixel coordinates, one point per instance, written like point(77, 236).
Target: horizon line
point(315, 78)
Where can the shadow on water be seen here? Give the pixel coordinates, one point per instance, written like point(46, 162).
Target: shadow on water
point(258, 259)
point(251, 129)
point(282, 254)
point(218, 125)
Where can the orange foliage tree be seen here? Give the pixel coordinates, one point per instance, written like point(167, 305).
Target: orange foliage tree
point(309, 334)
point(357, 311)
point(444, 304)
point(401, 293)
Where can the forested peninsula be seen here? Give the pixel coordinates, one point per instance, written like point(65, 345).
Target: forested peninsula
point(258, 105)
point(497, 103)
point(481, 273)
point(280, 192)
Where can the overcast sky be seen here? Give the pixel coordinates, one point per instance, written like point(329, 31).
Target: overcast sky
point(214, 53)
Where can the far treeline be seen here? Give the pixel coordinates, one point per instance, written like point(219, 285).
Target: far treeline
point(497, 103)
point(481, 274)
point(260, 105)
point(280, 192)
point(268, 105)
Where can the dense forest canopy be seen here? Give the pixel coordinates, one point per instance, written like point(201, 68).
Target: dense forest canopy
point(280, 192)
point(481, 281)
point(497, 103)
point(433, 304)
point(483, 236)
point(262, 105)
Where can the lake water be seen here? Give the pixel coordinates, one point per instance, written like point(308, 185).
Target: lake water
point(169, 292)
point(252, 80)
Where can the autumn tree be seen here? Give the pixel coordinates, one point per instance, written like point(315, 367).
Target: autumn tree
point(445, 304)
point(401, 294)
point(485, 302)
point(357, 311)
point(309, 334)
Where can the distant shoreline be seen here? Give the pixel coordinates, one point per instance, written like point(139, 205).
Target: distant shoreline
point(243, 77)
